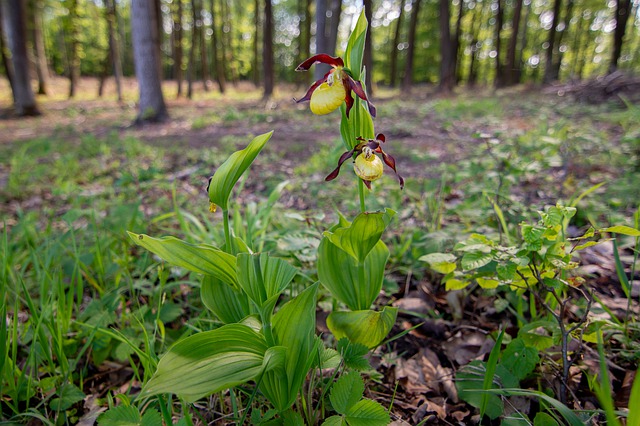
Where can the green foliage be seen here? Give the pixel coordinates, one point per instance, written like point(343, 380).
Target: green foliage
point(128, 415)
point(346, 400)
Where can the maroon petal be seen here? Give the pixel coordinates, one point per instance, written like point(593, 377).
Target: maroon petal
point(323, 58)
point(391, 162)
point(334, 174)
point(314, 86)
point(356, 86)
point(349, 100)
point(380, 137)
point(367, 183)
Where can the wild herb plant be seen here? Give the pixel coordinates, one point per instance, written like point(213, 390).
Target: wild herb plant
point(541, 289)
point(263, 340)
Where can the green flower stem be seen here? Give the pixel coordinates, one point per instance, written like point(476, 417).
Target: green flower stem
point(227, 231)
point(361, 193)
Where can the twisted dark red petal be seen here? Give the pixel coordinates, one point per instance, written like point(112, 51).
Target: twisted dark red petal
point(334, 174)
point(356, 86)
point(349, 101)
point(391, 162)
point(323, 58)
point(380, 137)
point(367, 183)
point(314, 86)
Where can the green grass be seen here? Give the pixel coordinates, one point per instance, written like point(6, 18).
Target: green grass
point(79, 296)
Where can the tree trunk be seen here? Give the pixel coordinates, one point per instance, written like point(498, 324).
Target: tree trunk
point(368, 50)
point(256, 44)
point(407, 81)
point(393, 74)
point(23, 97)
point(227, 42)
point(177, 45)
point(267, 60)
point(4, 52)
point(447, 57)
point(623, 9)
point(549, 70)
point(42, 69)
point(114, 46)
point(217, 61)
point(568, 15)
point(143, 30)
point(499, 79)
point(192, 51)
point(321, 38)
point(457, 52)
point(334, 22)
point(512, 67)
point(204, 63)
point(74, 51)
point(476, 26)
point(304, 40)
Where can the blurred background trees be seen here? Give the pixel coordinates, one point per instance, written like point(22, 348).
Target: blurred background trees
point(444, 42)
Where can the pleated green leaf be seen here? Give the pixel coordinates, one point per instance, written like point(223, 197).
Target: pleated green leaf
point(366, 327)
point(294, 327)
point(229, 172)
point(229, 304)
point(354, 52)
point(338, 272)
point(362, 235)
point(208, 362)
point(204, 259)
point(263, 277)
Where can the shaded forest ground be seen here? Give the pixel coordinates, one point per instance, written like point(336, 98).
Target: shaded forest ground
point(522, 147)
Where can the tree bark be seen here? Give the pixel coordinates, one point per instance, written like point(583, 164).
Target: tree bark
point(42, 69)
point(4, 52)
point(256, 44)
point(267, 52)
point(476, 26)
point(114, 46)
point(393, 72)
point(407, 81)
point(304, 40)
point(321, 38)
point(457, 52)
point(623, 9)
point(549, 70)
point(334, 23)
point(177, 44)
point(143, 30)
point(218, 64)
point(447, 49)
point(368, 50)
point(499, 79)
point(204, 63)
point(74, 51)
point(23, 97)
point(192, 51)
point(512, 67)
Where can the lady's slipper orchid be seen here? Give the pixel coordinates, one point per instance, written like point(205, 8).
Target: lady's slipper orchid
point(327, 94)
point(367, 164)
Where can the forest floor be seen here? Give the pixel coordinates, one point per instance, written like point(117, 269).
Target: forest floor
point(82, 164)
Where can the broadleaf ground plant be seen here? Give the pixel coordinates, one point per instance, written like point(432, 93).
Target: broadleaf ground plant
point(269, 347)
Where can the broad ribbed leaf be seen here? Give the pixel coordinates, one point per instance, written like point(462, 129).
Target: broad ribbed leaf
point(262, 277)
point(368, 413)
point(208, 362)
point(470, 384)
point(362, 235)
point(293, 327)
point(346, 392)
point(338, 272)
point(622, 230)
point(443, 263)
point(202, 258)
point(475, 259)
point(366, 327)
point(225, 178)
point(230, 305)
